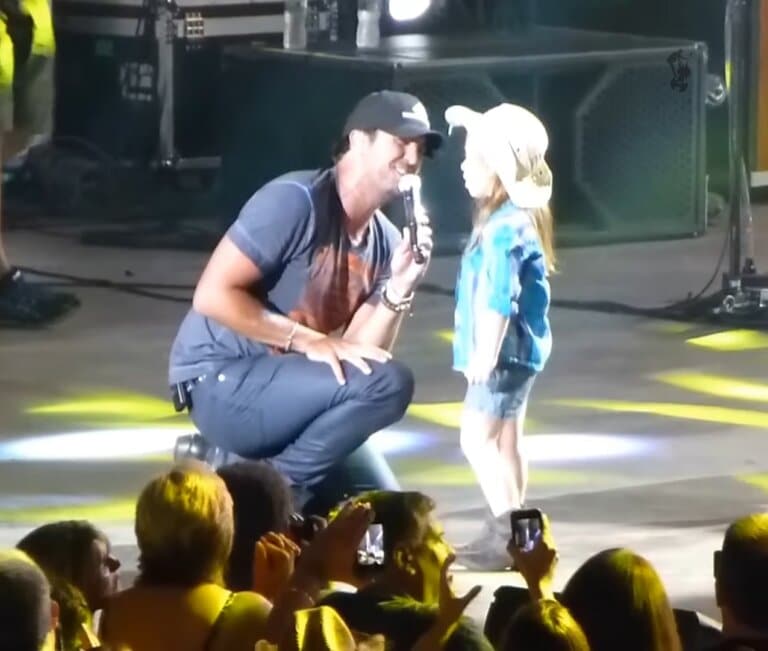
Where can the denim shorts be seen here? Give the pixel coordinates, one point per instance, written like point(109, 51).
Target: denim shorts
point(504, 394)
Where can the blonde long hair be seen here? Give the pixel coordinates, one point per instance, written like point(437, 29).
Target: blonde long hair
point(540, 217)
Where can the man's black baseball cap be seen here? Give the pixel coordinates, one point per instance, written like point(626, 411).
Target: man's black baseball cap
point(400, 114)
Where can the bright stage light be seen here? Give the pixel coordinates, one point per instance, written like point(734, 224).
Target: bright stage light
point(407, 9)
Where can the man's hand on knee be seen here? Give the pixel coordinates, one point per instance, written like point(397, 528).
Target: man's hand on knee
point(333, 351)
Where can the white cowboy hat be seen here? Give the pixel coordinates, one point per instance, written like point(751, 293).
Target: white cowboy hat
point(513, 141)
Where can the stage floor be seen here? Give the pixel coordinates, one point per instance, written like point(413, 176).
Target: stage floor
point(643, 432)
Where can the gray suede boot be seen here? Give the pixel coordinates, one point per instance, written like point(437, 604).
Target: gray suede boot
point(488, 552)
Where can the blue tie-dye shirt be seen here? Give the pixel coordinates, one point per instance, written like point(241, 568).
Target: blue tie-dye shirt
point(505, 271)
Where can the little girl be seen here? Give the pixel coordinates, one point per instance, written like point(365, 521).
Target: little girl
point(502, 338)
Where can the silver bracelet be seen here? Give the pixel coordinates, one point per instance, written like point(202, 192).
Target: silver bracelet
point(289, 342)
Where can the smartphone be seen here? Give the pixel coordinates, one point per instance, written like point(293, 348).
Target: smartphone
point(527, 526)
point(300, 529)
point(370, 551)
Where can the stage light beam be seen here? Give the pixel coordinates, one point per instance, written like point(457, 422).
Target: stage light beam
point(732, 341)
point(718, 385)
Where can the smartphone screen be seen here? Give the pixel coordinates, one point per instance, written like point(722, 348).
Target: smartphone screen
point(370, 551)
point(526, 528)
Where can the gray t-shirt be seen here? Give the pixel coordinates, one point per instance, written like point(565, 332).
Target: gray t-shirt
point(292, 231)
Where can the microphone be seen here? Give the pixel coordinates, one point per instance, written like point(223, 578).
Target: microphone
point(410, 190)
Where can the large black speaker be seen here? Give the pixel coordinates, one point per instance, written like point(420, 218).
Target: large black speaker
point(625, 115)
point(690, 19)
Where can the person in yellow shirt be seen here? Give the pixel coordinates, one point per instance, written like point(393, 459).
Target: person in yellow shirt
point(27, 49)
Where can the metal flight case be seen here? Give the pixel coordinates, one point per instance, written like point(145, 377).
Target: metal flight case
point(142, 79)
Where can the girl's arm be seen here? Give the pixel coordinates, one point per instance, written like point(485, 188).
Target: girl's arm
point(490, 329)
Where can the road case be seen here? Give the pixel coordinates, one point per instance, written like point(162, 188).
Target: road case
point(142, 79)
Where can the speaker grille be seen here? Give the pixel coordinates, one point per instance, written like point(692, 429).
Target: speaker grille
point(634, 157)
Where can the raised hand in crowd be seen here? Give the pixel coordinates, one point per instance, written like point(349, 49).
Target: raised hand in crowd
point(274, 557)
point(537, 565)
point(330, 556)
point(302, 530)
point(450, 609)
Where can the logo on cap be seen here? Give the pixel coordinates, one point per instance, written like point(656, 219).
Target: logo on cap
point(418, 113)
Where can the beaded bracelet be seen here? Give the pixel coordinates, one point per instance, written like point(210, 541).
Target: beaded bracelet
point(403, 305)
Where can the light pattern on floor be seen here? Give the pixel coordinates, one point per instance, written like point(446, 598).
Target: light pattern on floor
point(703, 413)
point(717, 385)
point(732, 340)
point(124, 407)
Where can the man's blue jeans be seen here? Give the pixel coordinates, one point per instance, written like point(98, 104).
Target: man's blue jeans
point(292, 411)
